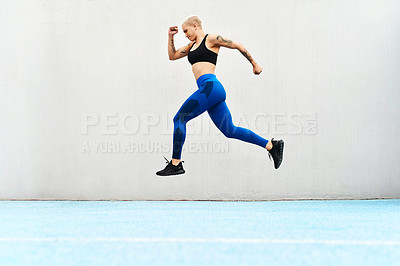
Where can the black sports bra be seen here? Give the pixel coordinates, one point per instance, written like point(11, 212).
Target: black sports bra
point(202, 54)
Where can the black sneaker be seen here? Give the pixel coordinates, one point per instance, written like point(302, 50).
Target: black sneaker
point(171, 169)
point(276, 152)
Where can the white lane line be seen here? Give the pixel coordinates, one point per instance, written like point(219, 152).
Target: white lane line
point(202, 240)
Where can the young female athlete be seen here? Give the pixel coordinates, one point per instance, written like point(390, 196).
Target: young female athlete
point(202, 52)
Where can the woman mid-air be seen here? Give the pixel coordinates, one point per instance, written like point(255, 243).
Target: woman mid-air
point(202, 52)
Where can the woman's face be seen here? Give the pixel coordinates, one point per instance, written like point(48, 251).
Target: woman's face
point(189, 31)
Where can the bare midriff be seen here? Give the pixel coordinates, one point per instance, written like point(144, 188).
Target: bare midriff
point(201, 68)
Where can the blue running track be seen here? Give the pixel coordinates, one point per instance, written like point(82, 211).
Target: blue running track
point(200, 233)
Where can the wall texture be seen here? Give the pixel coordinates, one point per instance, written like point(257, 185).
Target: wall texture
point(87, 97)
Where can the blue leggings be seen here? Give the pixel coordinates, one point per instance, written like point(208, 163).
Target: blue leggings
point(210, 96)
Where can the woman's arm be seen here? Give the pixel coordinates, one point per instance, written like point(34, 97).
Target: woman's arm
point(218, 40)
point(172, 52)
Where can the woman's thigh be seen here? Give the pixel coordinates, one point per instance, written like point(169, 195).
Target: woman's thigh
point(208, 95)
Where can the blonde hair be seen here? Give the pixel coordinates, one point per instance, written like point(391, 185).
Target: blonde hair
point(193, 19)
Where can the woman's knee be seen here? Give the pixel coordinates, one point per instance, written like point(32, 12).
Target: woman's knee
point(178, 117)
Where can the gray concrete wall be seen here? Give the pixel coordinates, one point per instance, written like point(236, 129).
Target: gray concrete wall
point(87, 97)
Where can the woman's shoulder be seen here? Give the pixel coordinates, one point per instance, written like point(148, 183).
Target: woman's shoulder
point(218, 41)
point(212, 36)
point(214, 39)
point(190, 44)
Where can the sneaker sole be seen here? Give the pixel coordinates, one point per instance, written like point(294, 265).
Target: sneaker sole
point(281, 144)
point(177, 173)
